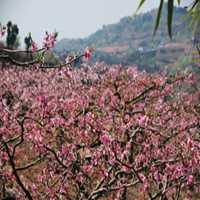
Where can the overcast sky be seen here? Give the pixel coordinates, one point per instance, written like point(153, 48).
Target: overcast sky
point(71, 18)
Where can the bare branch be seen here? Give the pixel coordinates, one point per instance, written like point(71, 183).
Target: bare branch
point(18, 180)
point(35, 162)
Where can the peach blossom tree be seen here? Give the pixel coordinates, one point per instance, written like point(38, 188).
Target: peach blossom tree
point(100, 132)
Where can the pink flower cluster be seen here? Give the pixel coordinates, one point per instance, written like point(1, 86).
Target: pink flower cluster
point(34, 46)
point(49, 40)
point(106, 139)
point(88, 53)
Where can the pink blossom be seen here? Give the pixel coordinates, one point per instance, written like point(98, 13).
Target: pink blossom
point(105, 139)
point(190, 142)
point(42, 99)
point(145, 182)
point(105, 173)
point(87, 168)
point(88, 53)
point(157, 176)
point(4, 157)
point(34, 46)
point(190, 179)
point(143, 120)
point(34, 188)
point(49, 40)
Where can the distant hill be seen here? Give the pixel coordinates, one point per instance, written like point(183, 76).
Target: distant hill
point(131, 41)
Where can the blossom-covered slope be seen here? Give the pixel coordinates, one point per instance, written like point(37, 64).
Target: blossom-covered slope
point(100, 132)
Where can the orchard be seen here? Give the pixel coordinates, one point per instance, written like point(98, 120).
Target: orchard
point(97, 132)
point(100, 132)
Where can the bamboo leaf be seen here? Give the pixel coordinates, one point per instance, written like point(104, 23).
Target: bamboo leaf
point(158, 16)
point(170, 16)
point(140, 5)
point(194, 4)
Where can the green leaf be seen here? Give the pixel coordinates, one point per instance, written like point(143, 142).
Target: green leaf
point(158, 16)
point(140, 5)
point(179, 2)
point(170, 16)
point(194, 4)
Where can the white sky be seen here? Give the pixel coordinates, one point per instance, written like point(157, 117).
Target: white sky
point(71, 18)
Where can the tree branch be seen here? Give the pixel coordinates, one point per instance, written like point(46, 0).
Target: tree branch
point(18, 180)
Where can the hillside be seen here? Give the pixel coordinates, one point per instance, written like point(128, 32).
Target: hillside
point(130, 40)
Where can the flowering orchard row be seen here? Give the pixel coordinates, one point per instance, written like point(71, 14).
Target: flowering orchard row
point(100, 132)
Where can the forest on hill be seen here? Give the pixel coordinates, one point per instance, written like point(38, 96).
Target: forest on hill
point(131, 41)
